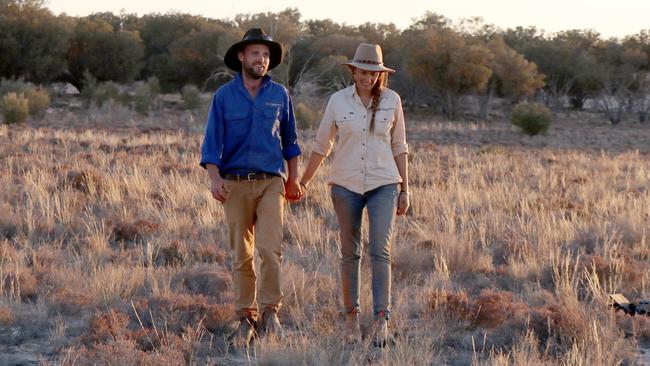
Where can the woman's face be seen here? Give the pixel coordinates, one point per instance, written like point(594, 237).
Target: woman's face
point(364, 80)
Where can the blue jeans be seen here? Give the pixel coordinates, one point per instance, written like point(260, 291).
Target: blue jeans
point(381, 204)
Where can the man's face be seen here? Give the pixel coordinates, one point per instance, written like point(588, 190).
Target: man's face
point(255, 60)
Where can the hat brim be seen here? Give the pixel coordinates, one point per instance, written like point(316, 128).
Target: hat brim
point(369, 67)
point(232, 59)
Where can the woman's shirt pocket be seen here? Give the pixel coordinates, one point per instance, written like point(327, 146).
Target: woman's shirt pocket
point(347, 122)
point(384, 118)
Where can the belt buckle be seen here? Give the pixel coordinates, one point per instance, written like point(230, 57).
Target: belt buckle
point(250, 177)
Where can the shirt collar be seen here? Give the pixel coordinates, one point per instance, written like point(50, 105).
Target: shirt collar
point(239, 79)
point(352, 93)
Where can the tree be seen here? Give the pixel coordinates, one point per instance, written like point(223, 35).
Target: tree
point(33, 42)
point(565, 59)
point(442, 60)
point(284, 27)
point(198, 55)
point(512, 76)
point(120, 22)
point(158, 32)
point(619, 70)
point(107, 55)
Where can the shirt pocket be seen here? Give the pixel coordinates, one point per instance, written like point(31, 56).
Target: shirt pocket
point(235, 115)
point(384, 121)
point(236, 125)
point(346, 122)
point(271, 114)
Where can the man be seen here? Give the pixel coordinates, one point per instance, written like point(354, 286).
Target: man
point(250, 132)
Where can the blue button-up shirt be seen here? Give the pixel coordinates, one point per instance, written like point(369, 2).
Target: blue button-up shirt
point(246, 135)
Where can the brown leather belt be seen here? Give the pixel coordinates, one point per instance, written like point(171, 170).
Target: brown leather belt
point(251, 177)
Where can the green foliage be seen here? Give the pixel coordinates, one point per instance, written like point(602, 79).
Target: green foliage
point(14, 86)
point(154, 86)
point(89, 84)
point(39, 101)
point(105, 92)
point(145, 95)
point(443, 61)
point(33, 42)
point(195, 56)
point(107, 55)
point(306, 116)
point(191, 97)
point(96, 93)
point(158, 32)
point(532, 118)
point(15, 108)
point(284, 26)
point(516, 77)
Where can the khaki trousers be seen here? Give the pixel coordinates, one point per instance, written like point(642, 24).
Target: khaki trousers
point(254, 213)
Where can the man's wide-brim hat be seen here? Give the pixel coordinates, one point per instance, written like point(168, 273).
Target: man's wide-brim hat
point(369, 57)
point(253, 36)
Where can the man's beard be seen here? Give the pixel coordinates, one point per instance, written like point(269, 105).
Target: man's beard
point(253, 73)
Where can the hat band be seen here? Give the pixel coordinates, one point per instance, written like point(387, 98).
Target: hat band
point(368, 62)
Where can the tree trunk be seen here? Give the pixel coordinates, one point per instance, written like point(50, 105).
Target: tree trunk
point(484, 102)
point(449, 108)
point(577, 101)
point(615, 114)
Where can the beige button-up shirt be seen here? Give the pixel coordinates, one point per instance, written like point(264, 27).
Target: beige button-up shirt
point(363, 160)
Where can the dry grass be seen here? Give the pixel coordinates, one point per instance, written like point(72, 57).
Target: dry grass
point(113, 252)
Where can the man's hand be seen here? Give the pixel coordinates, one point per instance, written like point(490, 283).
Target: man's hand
point(218, 189)
point(402, 203)
point(293, 190)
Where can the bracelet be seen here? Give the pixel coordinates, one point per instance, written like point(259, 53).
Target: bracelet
point(404, 192)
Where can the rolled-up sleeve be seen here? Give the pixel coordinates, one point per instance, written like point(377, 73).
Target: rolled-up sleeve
point(326, 131)
point(212, 147)
point(290, 147)
point(398, 136)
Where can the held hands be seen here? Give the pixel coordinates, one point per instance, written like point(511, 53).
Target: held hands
point(294, 190)
point(403, 203)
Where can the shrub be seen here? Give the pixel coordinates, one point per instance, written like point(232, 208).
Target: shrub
point(191, 97)
point(14, 86)
point(143, 99)
point(89, 85)
point(38, 102)
point(154, 86)
point(306, 117)
point(97, 93)
point(15, 108)
point(105, 92)
point(532, 118)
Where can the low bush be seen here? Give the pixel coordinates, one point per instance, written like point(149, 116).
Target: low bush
point(191, 97)
point(15, 108)
point(531, 118)
point(306, 117)
point(14, 86)
point(38, 102)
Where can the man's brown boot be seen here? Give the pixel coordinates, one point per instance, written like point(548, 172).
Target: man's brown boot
point(271, 323)
point(244, 334)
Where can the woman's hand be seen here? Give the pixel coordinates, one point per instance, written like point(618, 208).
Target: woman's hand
point(403, 203)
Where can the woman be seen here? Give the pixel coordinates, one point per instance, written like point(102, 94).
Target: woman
point(369, 170)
